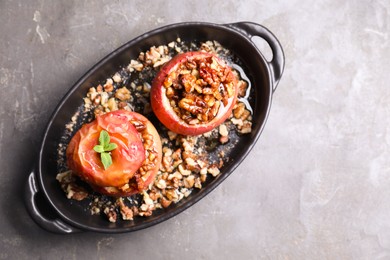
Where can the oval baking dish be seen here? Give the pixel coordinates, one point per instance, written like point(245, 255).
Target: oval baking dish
point(45, 200)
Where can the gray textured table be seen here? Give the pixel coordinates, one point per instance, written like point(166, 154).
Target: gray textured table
point(316, 185)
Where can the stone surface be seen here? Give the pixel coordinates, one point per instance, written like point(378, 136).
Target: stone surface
point(316, 185)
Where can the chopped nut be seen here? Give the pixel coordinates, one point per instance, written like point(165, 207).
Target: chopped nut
point(97, 99)
point(167, 151)
point(192, 165)
point(171, 195)
point(99, 89)
point(117, 78)
point(154, 195)
point(123, 94)
point(213, 171)
point(161, 61)
point(189, 181)
point(165, 203)
point(238, 110)
point(108, 87)
point(176, 175)
point(75, 192)
point(246, 128)
point(236, 121)
point(223, 130)
point(245, 114)
point(187, 154)
point(186, 192)
point(111, 214)
point(161, 184)
point(242, 86)
point(167, 161)
point(64, 177)
point(126, 212)
point(135, 65)
point(104, 99)
point(187, 145)
point(87, 102)
point(98, 111)
point(95, 210)
point(190, 162)
point(198, 183)
point(147, 199)
point(112, 105)
point(176, 156)
point(183, 171)
point(144, 207)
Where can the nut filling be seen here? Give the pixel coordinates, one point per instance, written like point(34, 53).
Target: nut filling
point(188, 162)
point(199, 87)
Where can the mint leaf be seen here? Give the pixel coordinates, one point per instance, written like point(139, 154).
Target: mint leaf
point(98, 148)
point(110, 147)
point(104, 147)
point(106, 160)
point(104, 138)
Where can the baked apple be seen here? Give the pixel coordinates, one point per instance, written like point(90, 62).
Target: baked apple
point(118, 154)
point(193, 93)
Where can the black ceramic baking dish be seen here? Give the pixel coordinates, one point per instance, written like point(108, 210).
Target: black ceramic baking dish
point(45, 200)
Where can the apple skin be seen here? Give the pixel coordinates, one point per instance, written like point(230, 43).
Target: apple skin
point(163, 110)
point(127, 158)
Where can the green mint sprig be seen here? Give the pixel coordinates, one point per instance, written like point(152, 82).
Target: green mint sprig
point(104, 148)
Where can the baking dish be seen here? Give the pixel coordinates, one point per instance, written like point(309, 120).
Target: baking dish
point(45, 200)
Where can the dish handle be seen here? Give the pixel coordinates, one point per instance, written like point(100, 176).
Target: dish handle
point(56, 225)
point(251, 29)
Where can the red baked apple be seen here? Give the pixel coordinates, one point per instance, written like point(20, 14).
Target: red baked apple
point(193, 93)
point(134, 162)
